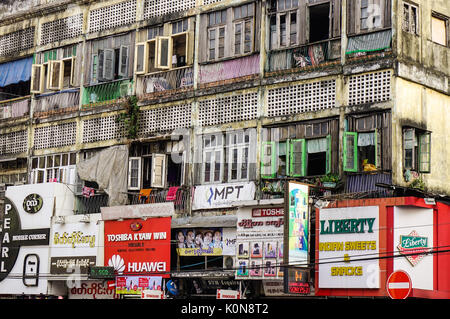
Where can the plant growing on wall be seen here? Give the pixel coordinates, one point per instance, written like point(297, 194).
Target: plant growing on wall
point(130, 118)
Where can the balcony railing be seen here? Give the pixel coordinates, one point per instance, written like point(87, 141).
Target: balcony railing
point(305, 57)
point(15, 108)
point(47, 104)
point(161, 83)
point(106, 93)
point(180, 198)
point(364, 183)
point(90, 205)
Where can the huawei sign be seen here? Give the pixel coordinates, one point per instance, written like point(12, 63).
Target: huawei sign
point(137, 247)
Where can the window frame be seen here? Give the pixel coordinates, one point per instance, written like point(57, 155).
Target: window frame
point(407, 6)
point(416, 154)
point(446, 20)
point(240, 147)
point(288, 14)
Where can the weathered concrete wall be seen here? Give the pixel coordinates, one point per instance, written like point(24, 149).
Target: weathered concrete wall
point(424, 108)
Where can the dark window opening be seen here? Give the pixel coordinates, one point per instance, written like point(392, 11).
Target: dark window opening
point(319, 22)
point(366, 154)
point(174, 171)
point(317, 164)
point(15, 90)
point(146, 172)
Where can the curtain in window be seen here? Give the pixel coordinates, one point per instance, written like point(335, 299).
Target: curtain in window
point(366, 139)
point(318, 145)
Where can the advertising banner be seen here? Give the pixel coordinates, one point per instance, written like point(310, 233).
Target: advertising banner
point(348, 238)
point(259, 243)
point(74, 247)
point(25, 237)
point(134, 285)
point(223, 195)
point(137, 246)
point(205, 241)
point(92, 290)
point(298, 223)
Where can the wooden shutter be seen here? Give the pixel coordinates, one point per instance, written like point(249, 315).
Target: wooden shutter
point(134, 173)
point(190, 41)
point(268, 160)
point(328, 160)
point(350, 152)
point(297, 158)
point(100, 65)
point(425, 153)
point(378, 150)
point(56, 75)
point(158, 170)
point(108, 64)
point(164, 52)
point(37, 78)
point(124, 60)
point(94, 68)
point(408, 148)
point(142, 57)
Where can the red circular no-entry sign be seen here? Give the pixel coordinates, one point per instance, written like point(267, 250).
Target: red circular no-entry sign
point(399, 285)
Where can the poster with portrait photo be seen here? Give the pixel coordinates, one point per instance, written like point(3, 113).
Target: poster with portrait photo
point(255, 268)
point(242, 270)
point(257, 250)
point(280, 250)
point(270, 268)
point(243, 250)
point(270, 249)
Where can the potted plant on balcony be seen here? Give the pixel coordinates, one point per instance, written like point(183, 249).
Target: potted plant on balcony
point(330, 180)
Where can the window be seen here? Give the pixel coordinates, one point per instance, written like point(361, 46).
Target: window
point(416, 150)
point(237, 150)
point(243, 28)
point(319, 22)
point(54, 70)
point(212, 158)
point(283, 27)
point(362, 151)
point(439, 29)
point(216, 34)
point(165, 52)
point(157, 165)
point(410, 18)
point(296, 157)
point(54, 168)
point(371, 14)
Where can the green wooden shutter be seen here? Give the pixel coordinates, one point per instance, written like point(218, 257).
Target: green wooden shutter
point(350, 152)
point(425, 153)
point(268, 160)
point(378, 151)
point(297, 158)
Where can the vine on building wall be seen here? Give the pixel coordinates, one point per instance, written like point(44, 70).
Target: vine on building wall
point(131, 117)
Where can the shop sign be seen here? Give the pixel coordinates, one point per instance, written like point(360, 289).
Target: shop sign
point(152, 294)
point(24, 251)
point(73, 247)
point(297, 280)
point(223, 195)
point(205, 241)
point(297, 202)
point(134, 285)
point(92, 290)
point(259, 243)
point(228, 294)
point(347, 237)
point(412, 245)
point(32, 203)
point(144, 249)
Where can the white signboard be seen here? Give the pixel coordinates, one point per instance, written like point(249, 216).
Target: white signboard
point(25, 236)
point(228, 294)
point(74, 247)
point(413, 232)
point(92, 290)
point(346, 235)
point(259, 243)
point(152, 294)
point(223, 195)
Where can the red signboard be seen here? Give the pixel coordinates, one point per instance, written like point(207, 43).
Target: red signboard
point(399, 285)
point(137, 246)
point(268, 212)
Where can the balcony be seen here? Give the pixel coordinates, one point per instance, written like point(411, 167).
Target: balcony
point(57, 103)
point(309, 57)
point(15, 108)
point(180, 198)
point(106, 93)
point(164, 84)
point(90, 205)
point(363, 184)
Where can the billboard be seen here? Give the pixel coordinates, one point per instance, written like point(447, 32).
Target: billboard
point(349, 247)
point(135, 285)
point(222, 195)
point(137, 246)
point(212, 241)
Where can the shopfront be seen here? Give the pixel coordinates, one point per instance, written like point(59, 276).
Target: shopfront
point(359, 243)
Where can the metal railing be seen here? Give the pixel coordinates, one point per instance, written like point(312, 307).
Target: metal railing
point(106, 92)
point(90, 205)
point(69, 99)
point(180, 201)
point(14, 108)
point(152, 84)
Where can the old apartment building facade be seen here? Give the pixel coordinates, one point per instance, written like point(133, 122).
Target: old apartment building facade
point(155, 102)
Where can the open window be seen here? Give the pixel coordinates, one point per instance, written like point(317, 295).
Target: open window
point(319, 22)
point(37, 78)
point(362, 151)
point(417, 150)
point(410, 18)
point(56, 75)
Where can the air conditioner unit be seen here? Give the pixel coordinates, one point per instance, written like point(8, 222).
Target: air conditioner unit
point(228, 263)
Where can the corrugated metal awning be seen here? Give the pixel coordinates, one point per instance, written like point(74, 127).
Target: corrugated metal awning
point(375, 41)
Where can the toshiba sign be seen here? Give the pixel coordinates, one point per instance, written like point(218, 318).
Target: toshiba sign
point(137, 246)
